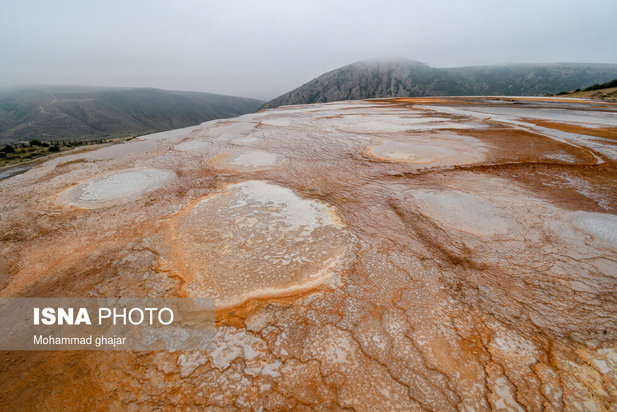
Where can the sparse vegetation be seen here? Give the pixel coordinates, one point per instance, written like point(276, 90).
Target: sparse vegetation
point(8, 149)
point(604, 91)
point(12, 154)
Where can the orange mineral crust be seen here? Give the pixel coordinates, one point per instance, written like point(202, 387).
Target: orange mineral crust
point(406, 254)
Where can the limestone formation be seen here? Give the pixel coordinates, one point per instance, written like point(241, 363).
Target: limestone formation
point(400, 254)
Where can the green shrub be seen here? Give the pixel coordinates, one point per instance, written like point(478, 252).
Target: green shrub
point(597, 86)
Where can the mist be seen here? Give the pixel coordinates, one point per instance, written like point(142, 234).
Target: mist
point(263, 49)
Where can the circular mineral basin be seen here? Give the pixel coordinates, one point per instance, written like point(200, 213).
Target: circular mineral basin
point(248, 160)
point(464, 212)
point(602, 226)
point(410, 152)
point(255, 239)
point(192, 145)
point(115, 188)
point(429, 149)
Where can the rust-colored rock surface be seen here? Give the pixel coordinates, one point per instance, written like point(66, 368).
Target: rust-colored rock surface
point(406, 254)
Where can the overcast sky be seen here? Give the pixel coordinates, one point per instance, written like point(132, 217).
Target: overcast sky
point(264, 48)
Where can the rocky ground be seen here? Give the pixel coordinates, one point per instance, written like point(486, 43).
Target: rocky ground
point(404, 254)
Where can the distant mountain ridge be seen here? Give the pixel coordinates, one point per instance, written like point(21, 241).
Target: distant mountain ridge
point(407, 78)
point(84, 113)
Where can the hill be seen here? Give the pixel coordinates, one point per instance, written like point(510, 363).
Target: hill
point(407, 78)
point(86, 113)
point(604, 91)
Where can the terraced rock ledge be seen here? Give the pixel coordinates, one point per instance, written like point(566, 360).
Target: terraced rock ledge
point(398, 254)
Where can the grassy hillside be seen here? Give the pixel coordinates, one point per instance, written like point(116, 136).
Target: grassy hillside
point(78, 113)
point(604, 91)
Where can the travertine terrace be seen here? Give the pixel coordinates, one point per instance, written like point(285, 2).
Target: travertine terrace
point(405, 254)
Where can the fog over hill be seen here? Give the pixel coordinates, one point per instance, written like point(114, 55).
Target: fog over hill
point(84, 113)
point(401, 78)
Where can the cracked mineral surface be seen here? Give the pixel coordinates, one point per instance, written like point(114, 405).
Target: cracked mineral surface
point(404, 254)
